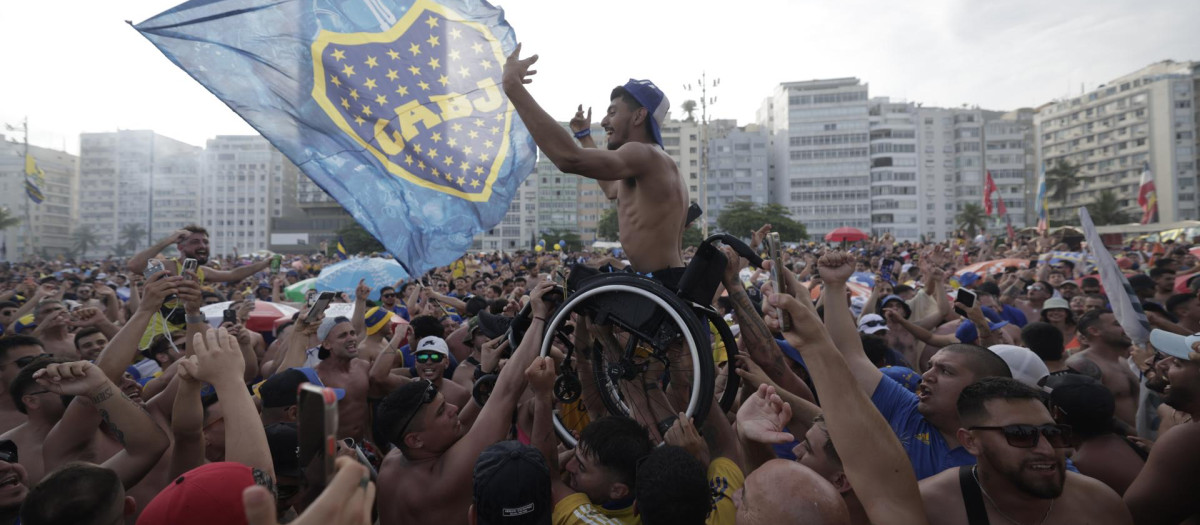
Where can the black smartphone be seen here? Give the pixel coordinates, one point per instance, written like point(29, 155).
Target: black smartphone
point(317, 426)
point(229, 316)
point(694, 212)
point(1033, 263)
point(319, 306)
point(965, 297)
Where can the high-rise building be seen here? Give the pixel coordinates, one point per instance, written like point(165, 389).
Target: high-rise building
point(1148, 117)
point(894, 194)
point(118, 172)
point(738, 168)
point(246, 183)
point(52, 219)
point(1009, 156)
point(822, 152)
point(318, 220)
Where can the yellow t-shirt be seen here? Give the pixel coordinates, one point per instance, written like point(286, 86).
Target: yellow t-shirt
point(577, 509)
point(157, 325)
point(724, 478)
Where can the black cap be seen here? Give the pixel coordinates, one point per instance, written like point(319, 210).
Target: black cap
point(280, 390)
point(512, 486)
point(493, 326)
point(475, 305)
point(284, 442)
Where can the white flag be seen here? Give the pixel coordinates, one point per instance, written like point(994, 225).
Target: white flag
point(1125, 305)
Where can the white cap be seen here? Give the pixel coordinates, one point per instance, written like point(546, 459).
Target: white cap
point(432, 343)
point(1025, 365)
point(875, 322)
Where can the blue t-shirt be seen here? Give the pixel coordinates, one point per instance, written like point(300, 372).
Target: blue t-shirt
point(1014, 316)
point(398, 310)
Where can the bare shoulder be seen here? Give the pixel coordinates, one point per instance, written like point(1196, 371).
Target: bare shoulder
point(1088, 497)
point(943, 498)
point(1083, 364)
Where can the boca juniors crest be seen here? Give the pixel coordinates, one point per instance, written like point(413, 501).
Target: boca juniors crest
point(423, 97)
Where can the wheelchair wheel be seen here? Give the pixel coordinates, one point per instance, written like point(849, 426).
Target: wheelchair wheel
point(732, 381)
point(651, 358)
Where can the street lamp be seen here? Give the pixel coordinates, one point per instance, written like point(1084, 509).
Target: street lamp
point(705, 101)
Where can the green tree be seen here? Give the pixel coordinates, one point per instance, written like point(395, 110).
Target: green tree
point(692, 236)
point(356, 239)
point(1108, 210)
point(740, 218)
point(1060, 178)
point(7, 219)
point(606, 227)
point(132, 235)
point(84, 239)
point(574, 243)
point(972, 219)
point(689, 107)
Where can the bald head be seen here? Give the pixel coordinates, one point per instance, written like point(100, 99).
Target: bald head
point(784, 492)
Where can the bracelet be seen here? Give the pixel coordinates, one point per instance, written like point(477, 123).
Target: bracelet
point(198, 318)
point(583, 133)
point(542, 319)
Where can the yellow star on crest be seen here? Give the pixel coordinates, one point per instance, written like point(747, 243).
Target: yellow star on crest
point(461, 181)
point(479, 170)
point(354, 94)
point(402, 90)
point(473, 134)
point(431, 22)
point(484, 157)
point(455, 33)
point(474, 183)
point(370, 83)
point(452, 142)
point(345, 103)
point(495, 130)
point(444, 80)
point(456, 127)
point(465, 165)
point(448, 159)
point(348, 70)
point(467, 150)
point(454, 54)
point(477, 47)
point(372, 61)
point(414, 70)
point(435, 172)
point(392, 74)
point(417, 148)
point(449, 178)
point(420, 164)
point(366, 110)
point(434, 63)
point(408, 160)
point(432, 40)
point(478, 122)
point(499, 117)
point(358, 120)
point(485, 64)
point(464, 71)
point(433, 154)
point(381, 100)
point(488, 143)
point(436, 137)
point(423, 86)
point(414, 49)
point(392, 53)
point(339, 54)
point(333, 79)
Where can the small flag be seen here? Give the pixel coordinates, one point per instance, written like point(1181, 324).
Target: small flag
point(1040, 204)
point(1147, 196)
point(989, 187)
point(34, 193)
point(32, 170)
point(341, 249)
point(1007, 218)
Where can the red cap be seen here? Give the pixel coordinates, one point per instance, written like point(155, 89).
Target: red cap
point(205, 495)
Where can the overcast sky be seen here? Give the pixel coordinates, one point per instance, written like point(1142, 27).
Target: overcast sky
point(76, 66)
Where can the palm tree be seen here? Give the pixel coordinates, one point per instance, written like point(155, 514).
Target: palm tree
point(971, 218)
point(1108, 210)
point(689, 106)
point(7, 219)
point(1060, 178)
point(84, 239)
point(132, 235)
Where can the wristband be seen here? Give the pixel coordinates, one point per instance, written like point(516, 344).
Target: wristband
point(583, 133)
point(198, 318)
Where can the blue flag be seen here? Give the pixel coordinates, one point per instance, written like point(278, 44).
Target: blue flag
point(393, 107)
point(340, 249)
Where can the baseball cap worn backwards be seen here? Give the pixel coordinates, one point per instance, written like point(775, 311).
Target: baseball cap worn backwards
point(512, 485)
point(649, 96)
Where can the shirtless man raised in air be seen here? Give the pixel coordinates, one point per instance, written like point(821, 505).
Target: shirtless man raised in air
point(652, 200)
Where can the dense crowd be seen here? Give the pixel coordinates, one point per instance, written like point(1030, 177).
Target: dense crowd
point(892, 397)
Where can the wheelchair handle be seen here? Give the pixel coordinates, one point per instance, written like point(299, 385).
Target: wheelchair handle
point(738, 246)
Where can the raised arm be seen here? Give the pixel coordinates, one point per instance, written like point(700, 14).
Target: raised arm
point(237, 274)
point(874, 461)
point(540, 376)
point(382, 381)
point(359, 318)
point(137, 263)
point(187, 421)
point(297, 343)
point(123, 347)
point(580, 123)
point(144, 442)
point(835, 268)
point(220, 364)
point(919, 332)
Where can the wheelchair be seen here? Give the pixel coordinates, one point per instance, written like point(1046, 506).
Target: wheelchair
point(647, 352)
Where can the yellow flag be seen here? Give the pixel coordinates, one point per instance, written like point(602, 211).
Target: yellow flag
point(32, 169)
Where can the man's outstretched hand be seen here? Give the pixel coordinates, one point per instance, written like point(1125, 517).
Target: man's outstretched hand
point(516, 70)
point(580, 122)
point(836, 267)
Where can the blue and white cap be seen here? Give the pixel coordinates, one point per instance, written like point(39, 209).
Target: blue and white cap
point(649, 96)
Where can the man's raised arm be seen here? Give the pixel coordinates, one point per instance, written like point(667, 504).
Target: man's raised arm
point(137, 263)
point(556, 142)
point(835, 269)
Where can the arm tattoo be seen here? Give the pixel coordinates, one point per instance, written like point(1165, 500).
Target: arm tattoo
point(101, 396)
point(755, 328)
point(117, 433)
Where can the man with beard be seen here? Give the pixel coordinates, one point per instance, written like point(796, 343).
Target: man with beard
point(192, 243)
point(341, 367)
point(1106, 360)
point(1020, 475)
point(14, 483)
point(1164, 491)
point(15, 350)
point(432, 355)
point(652, 200)
point(44, 410)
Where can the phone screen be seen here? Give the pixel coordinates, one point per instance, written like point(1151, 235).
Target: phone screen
point(190, 265)
point(966, 297)
point(153, 267)
point(229, 316)
point(319, 306)
point(886, 269)
point(317, 426)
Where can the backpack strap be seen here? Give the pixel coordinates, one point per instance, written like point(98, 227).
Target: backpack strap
point(972, 497)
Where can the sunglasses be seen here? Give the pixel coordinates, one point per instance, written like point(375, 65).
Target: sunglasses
point(22, 362)
point(430, 358)
point(388, 295)
point(426, 398)
point(9, 456)
point(1027, 436)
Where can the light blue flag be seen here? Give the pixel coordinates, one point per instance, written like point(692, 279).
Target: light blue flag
point(393, 107)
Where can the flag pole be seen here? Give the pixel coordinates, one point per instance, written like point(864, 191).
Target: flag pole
point(28, 211)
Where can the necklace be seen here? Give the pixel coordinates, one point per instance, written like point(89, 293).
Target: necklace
point(974, 474)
